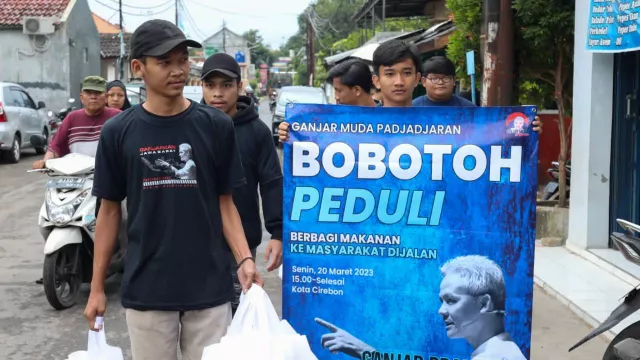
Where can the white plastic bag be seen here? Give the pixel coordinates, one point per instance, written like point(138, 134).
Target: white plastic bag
point(97, 347)
point(256, 332)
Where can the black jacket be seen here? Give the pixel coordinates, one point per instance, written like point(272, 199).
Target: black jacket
point(262, 169)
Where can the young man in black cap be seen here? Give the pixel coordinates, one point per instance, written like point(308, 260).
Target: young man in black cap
point(176, 162)
point(221, 84)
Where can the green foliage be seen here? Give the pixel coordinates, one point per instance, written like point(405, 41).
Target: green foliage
point(468, 19)
point(260, 53)
point(534, 93)
point(544, 35)
point(544, 44)
point(320, 73)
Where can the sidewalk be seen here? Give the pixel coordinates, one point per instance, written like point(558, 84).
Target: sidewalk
point(585, 282)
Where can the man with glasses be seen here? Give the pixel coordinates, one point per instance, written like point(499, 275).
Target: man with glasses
point(439, 79)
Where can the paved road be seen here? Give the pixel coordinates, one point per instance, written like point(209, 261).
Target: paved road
point(31, 330)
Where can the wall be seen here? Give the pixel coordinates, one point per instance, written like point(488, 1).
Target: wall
point(43, 71)
point(84, 45)
point(591, 148)
point(110, 72)
point(549, 147)
point(233, 44)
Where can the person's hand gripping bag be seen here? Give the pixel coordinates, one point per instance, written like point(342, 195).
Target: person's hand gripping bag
point(97, 347)
point(256, 332)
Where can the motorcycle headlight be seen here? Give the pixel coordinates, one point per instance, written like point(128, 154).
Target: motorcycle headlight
point(63, 214)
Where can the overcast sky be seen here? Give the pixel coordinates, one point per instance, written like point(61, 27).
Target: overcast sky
point(276, 19)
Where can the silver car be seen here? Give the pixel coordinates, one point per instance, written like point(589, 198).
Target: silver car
point(294, 94)
point(20, 118)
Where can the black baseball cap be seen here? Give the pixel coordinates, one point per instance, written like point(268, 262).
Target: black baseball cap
point(222, 63)
point(158, 37)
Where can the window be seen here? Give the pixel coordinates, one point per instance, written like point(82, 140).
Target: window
point(7, 97)
point(17, 98)
point(27, 100)
point(86, 55)
point(301, 97)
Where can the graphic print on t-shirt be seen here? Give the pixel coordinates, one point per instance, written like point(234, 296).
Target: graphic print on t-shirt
point(169, 166)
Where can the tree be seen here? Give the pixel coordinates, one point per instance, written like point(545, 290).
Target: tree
point(545, 49)
point(467, 15)
point(260, 53)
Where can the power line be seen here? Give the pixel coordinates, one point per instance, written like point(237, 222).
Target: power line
point(143, 7)
point(315, 30)
point(134, 14)
point(239, 13)
point(191, 21)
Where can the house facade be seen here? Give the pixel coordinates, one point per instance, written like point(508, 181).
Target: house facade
point(233, 44)
point(110, 50)
point(605, 173)
point(48, 46)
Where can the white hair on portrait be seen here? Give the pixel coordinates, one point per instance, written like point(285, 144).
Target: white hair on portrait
point(484, 275)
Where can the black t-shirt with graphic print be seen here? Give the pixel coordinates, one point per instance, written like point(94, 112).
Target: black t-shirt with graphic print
point(172, 171)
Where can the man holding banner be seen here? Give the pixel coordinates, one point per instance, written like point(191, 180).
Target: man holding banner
point(397, 73)
point(377, 200)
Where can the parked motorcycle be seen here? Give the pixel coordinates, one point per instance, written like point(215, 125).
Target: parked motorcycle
point(626, 345)
point(272, 101)
point(55, 119)
point(551, 191)
point(67, 223)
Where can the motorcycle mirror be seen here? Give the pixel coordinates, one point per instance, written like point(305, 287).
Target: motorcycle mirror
point(38, 141)
point(72, 100)
point(50, 113)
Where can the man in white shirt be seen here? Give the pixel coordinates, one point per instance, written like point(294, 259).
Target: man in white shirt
point(473, 299)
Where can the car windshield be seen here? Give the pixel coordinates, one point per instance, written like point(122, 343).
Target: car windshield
point(305, 97)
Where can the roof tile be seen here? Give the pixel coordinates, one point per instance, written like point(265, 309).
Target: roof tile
point(110, 45)
point(12, 11)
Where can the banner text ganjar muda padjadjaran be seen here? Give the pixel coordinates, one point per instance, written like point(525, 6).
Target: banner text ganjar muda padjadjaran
point(372, 163)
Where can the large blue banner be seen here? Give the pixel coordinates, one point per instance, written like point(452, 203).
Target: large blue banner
point(410, 232)
point(613, 26)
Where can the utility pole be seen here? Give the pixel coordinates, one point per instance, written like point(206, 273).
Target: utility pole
point(224, 36)
point(310, 51)
point(177, 4)
point(122, 57)
point(497, 83)
point(384, 15)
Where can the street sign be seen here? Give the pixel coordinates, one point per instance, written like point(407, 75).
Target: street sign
point(471, 63)
point(210, 50)
point(240, 56)
point(471, 70)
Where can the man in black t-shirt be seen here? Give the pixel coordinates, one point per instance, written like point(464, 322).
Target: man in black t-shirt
point(176, 162)
point(221, 84)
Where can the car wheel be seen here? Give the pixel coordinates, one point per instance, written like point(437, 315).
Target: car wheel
point(13, 155)
point(43, 150)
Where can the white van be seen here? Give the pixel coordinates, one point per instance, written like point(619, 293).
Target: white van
point(193, 93)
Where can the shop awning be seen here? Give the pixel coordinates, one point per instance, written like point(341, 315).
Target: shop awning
point(436, 37)
point(392, 9)
point(365, 52)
